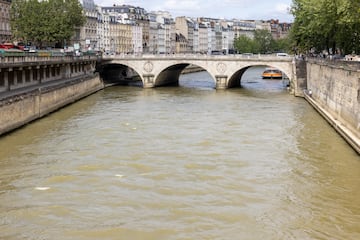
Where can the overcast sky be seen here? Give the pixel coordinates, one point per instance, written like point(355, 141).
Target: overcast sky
point(241, 9)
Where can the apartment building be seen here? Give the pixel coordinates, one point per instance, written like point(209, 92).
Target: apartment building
point(5, 31)
point(103, 31)
point(196, 40)
point(162, 32)
point(185, 27)
point(121, 37)
point(203, 38)
point(279, 30)
point(181, 43)
point(244, 28)
point(137, 39)
point(87, 36)
point(138, 19)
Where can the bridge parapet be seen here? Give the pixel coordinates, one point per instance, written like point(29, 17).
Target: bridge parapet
point(229, 57)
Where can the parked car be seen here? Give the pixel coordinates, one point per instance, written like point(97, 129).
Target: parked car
point(7, 46)
point(32, 49)
point(217, 52)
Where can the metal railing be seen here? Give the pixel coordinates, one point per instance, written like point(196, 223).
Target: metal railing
point(11, 60)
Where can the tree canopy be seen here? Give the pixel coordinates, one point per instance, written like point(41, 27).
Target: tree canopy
point(263, 42)
point(45, 22)
point(331, 25)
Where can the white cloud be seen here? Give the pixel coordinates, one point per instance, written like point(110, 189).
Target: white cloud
point(181, 5)
point(176, 8)
point(282, 8)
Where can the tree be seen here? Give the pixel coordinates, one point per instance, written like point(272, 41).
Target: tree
point(282, 45)
point(264, 41)
point(349, 26)
point(45, 22)
point(244, 44)
point(329, 25)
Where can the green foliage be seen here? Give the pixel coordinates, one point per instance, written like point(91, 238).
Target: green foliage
point(244, 44)
point(282, 45)
point(45, 22)
point(263, 42)
point(326, 25)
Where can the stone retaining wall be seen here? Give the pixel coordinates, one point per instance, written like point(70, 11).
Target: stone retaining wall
point(334, 87)
point(24, 107)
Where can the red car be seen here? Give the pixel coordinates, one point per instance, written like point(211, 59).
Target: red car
point(12, 46)
point(7, 45)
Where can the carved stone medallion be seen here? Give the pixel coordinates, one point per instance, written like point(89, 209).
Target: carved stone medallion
point(221, 67)
point(148, 66)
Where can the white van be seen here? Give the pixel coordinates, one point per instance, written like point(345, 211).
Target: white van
point(282, 55)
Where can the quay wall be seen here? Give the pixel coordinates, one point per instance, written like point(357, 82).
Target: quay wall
point(333, 88)
point(21, 108)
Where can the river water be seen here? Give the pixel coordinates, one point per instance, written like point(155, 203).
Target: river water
point(187, 162)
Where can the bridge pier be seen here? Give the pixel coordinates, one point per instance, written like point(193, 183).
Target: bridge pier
point(149, 81)
point(221, 81)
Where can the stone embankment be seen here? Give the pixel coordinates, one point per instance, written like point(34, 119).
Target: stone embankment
point(33, 86)
point(333, 89)
point(24, 105)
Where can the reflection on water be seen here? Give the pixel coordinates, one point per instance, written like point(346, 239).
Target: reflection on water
point(186, 162)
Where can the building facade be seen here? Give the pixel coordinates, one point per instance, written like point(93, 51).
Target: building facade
point(244, 28)
point(181, 43)
point(162, 32)
point(137, 38)
point(203, 38)
point(103, 31)
point(5, 30)
point(185, 27)
point(128, 29)
point(87, 36)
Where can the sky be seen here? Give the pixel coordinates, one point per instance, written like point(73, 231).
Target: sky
point(227, 9)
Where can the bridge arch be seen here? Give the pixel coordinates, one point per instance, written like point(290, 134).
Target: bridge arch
point(171, 74)
point(234, 79)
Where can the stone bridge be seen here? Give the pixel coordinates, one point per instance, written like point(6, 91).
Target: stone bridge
point(226, 70)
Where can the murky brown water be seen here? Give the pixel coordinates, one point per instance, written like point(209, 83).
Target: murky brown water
point(184, 162)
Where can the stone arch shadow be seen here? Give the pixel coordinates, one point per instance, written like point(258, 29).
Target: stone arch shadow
point(119, 74)
point(171, 74)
